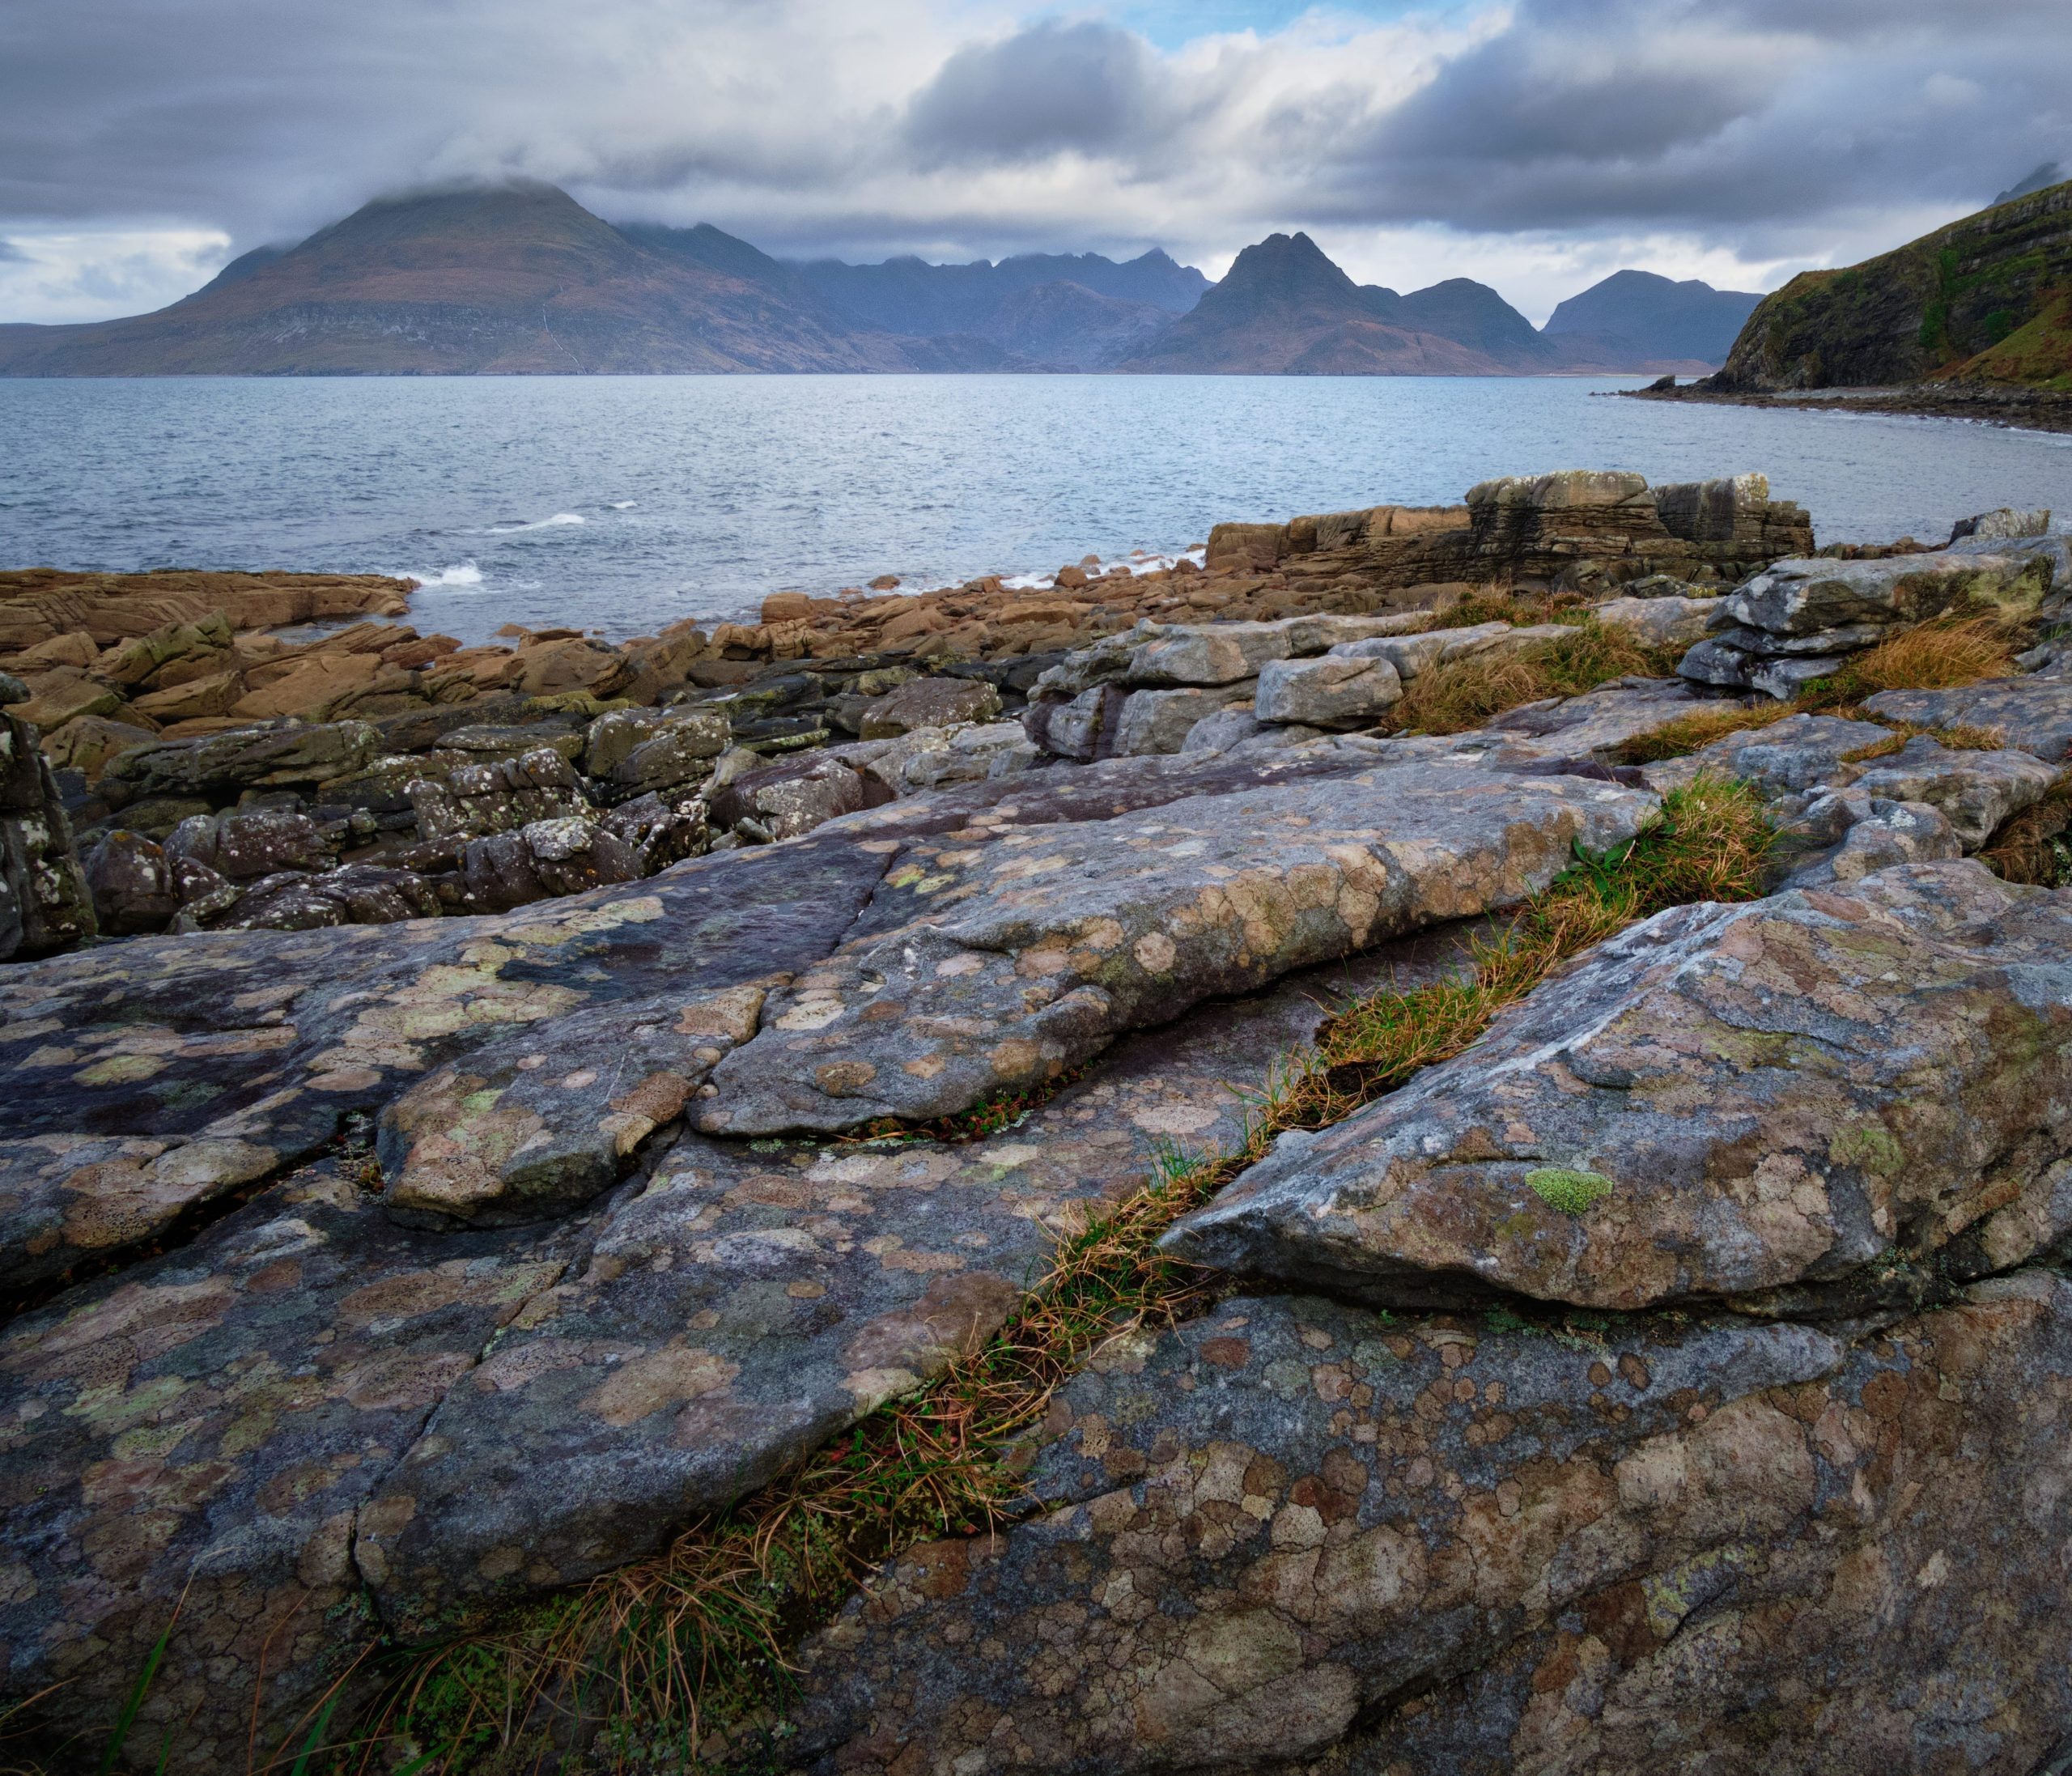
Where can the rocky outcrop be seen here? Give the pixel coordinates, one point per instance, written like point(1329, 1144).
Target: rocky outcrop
point(1586, 528)
point(1298, 1537)
point(987, 965)
point(1800, 619)
point(1693, 1375)
point(44, 901)
point(1760, 1103)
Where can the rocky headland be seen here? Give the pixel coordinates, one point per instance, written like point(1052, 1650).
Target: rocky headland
point(1437, 1145)
point(1972, 321)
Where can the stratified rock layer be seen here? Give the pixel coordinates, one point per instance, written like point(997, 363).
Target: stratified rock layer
point(1724, 1101)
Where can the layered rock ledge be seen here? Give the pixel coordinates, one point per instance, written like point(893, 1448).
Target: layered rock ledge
point(431, 1174)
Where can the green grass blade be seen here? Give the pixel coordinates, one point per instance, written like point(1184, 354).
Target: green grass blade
point(138, 1692)
point(310, 1746)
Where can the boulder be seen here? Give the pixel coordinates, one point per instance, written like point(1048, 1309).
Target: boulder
point(1659, 621)
point(1226, 729)
point(789, 797)
point(987, 966)
point(639, 750)
point(1221, 653)
point(928, 703)
point(542, 860)
point(1159, 721)
point(245, 844)
point(193, 698)
point(1291, 1536)
point(356, 894)
point(476, 801)
point(1333, 691)
point(1974, 791)
point(1799, 619)
point(131, 884)
point(1843, 835)
point(44, 903)
point(277, 757)
point(1764, 1103)
point(2003, 524)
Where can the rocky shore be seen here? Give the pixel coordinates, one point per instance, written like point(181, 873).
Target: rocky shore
point(478, 1120)
point(2027, 409)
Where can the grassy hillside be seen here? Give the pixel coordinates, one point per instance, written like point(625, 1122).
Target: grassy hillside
point(1985, 301)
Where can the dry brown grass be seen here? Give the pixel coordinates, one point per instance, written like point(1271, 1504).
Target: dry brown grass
point(688, 1649)
point(1940, 655)
point(2031, 848)
point(1457, 695)
point(1700, 727)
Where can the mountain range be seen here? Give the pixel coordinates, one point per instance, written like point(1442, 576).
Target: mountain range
point(522, 279)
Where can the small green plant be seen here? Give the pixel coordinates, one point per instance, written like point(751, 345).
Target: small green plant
point(1569, 1192)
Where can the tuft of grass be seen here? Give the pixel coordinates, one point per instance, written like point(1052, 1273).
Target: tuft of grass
point(2032, 847)
point(1700, 727)
point(686, 1655)
point(1567, 1191)
point(1959, 737)
point(1457, 695)
point(1939, 655)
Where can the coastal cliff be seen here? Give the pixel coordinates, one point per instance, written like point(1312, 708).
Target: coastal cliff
point(1985, 302)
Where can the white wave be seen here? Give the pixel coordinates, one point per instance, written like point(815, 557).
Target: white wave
point(544, 524)
point(461, 573)
point(620, 505)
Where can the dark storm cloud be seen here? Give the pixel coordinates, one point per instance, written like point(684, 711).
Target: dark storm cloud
point(945, 126)
point(1084, 86)
point(1599, 113)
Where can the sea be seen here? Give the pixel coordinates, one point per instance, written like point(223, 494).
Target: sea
point(618, 504)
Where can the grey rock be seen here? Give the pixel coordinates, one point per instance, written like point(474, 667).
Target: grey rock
point(1974, 791)
point(1159, 721)
point(1759, 1101)
point(1291, 1536)
point(1660, 620)
point(356, 894)
point(1843, 836)
point(1222, 653)
point(2001, 523)
point(929, 702)
point(498, 796)
point(1333, 691)
point(1803, 596)
point(131, 883)
point(12, 690)
point(790, 798)
point(287, 756)
point(1224, 729)
point(245, 844)
point(992, 964)
point(1798, 753)
point(2033, 714)
point(542, 860)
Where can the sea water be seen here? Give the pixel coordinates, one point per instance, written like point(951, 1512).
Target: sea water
point(622, 503)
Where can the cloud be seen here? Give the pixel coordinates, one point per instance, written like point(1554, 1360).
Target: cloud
point(1749, 136)
point(12, 255)
point(1083, 87)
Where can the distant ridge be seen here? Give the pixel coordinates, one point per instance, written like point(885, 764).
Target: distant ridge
point(1657, 317)
point(519, 279)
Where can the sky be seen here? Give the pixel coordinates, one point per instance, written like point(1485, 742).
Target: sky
point(1535, 145)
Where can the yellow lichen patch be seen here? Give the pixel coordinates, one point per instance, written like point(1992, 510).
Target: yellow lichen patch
point(668, 1377)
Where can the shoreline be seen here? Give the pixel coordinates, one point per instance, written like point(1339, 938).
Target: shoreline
point(2014, 410)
